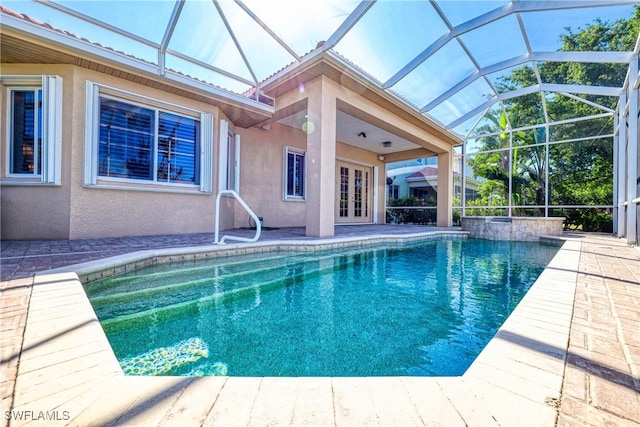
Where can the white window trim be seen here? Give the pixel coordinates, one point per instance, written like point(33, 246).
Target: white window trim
point(91, 136)
point(285, 196)
point(51, 168)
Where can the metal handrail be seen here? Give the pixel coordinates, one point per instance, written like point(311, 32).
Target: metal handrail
point(247, 208)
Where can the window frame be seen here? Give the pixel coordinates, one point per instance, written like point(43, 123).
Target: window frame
point(285, 191)
point(50, 135)
point(94, 93)
point(38, 142)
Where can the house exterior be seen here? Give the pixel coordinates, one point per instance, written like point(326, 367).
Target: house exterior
point(97, 143)
point(419, 178)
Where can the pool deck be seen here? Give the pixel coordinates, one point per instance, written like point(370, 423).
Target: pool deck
point(569, 355)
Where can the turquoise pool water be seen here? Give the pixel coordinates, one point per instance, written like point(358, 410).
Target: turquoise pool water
point(423, 309)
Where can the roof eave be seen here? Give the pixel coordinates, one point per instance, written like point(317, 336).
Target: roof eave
point(300, 71)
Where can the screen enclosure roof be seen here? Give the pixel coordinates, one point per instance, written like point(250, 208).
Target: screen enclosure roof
point(444, 58)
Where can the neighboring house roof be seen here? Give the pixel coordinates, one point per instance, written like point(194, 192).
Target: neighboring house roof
point(428, 172)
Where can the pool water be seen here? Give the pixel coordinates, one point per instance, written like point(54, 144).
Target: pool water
point(424, 309)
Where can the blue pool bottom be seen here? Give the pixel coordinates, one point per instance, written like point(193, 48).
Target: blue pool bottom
point(423, 309)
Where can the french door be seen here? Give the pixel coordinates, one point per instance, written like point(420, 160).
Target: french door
point(353, 193)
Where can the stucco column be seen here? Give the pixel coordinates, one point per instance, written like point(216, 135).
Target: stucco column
point(445, 184)
point(321, 160)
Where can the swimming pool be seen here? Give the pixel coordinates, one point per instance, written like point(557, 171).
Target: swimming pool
point(423, 309)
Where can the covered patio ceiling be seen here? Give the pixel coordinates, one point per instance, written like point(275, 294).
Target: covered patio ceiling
point(442, 58)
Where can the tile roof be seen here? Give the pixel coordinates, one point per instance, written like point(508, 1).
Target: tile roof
point(426, 172)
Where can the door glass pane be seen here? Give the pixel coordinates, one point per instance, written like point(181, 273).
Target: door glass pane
point(357, 190)
point(295, 175)
point(366, 193)
point(26, 131)
point(299, 179)
point(344, 191)
point(290, 174)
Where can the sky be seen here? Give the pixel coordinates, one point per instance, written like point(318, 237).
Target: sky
point(390, 35)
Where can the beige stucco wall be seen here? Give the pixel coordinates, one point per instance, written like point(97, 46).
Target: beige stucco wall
point(36, 211)
point(322, 92)
point(97, 211)
point(262, 176)
point(73, 211)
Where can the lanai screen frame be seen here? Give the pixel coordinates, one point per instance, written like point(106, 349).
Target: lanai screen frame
point(456, 33)
point(626, 182)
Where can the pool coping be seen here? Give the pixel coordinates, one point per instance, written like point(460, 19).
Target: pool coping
point(69, 375)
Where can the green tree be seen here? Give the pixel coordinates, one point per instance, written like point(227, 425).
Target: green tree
point(580, 172)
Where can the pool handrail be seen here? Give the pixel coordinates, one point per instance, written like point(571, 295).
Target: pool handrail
point(247, 208)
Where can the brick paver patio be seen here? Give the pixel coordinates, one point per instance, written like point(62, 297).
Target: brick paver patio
point(602, 374)
point(601, 384)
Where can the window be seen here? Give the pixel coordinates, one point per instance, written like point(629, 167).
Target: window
point(25, 133)
point(295, 174)
point(135, 139)
point(34, 123)
point(147, 144)
point(393, 191)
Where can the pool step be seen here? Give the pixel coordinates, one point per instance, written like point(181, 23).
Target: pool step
point(154, 315)
point(217, 281)
point(128, 283)
point(114, 305)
